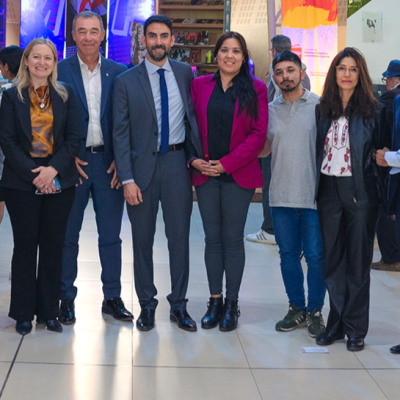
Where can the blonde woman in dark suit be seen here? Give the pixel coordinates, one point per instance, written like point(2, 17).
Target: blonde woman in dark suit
point(39, 135)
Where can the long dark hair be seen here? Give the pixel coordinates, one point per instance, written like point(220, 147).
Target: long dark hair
point(362, 99)
point(243, 89)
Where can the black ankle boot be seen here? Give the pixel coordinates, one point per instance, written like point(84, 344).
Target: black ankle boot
point(213, 313)
point(229, 317)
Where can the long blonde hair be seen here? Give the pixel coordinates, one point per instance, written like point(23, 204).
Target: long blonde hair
point(23, 78)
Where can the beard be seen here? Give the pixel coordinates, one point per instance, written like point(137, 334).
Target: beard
point(151, 52)
point(285, 88)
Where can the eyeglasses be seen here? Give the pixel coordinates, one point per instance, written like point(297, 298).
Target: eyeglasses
point(341, 70)
point(384, 80)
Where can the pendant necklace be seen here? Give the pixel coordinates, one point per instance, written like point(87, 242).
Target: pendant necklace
point(44, 98)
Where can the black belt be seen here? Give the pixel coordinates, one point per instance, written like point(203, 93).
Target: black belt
point(173, 147)
point(95, 149)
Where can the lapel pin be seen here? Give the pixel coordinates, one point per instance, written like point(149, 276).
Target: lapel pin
point(106, 74)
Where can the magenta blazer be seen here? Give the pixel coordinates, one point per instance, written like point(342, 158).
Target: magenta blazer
point(247, 140)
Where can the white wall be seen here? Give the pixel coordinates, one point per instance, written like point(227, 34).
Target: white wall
point(378, 55)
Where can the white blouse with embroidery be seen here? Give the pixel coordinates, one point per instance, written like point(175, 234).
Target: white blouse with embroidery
point(337, 149)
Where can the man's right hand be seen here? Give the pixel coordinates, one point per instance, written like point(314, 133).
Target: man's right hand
point(132, 194)
point(78, 163)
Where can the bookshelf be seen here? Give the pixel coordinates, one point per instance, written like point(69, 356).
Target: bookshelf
point(216, 19)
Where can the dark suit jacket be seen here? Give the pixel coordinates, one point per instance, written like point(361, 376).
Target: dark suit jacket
point(69, 71)
point(394, 180)
point(387, 100)
point(135, 122)
point(16, 139)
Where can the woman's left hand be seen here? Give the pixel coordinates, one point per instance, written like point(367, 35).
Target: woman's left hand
point(44, 181)
point(217, 166)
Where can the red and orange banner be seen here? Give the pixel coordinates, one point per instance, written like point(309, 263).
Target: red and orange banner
point(312, 28)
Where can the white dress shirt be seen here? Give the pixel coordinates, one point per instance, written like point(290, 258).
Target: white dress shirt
point(176, 108)
point(393, 159)
point(92, 84)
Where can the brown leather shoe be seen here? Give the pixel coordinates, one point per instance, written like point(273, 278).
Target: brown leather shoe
point(382, 266)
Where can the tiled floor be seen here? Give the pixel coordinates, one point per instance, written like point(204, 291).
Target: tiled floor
point(102, 359)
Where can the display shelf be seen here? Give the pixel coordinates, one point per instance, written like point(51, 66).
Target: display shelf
point(195, 46)
point(209, 26)
point(192, 8)
point(204, 65)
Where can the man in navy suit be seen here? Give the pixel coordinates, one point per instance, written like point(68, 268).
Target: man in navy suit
point(92, 78)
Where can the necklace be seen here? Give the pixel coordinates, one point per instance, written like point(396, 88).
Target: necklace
point(44, 98)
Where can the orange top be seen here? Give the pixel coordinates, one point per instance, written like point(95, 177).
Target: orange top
point(41, 121)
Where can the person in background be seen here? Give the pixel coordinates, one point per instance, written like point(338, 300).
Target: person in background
point(387, 158)
point(154, 123)
point(351, 125)
point(10, 60)
point(39, 134)
point(232, 114)
point(291, 136)
point(279, 44)
point(92, 78)
point(386, 227)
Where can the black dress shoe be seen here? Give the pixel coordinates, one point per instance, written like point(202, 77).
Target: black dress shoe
point(145, 322)
point(67, 312)
point(327, 338)
point(51, 324)
point(116, 308)
point(355, 344)
point(23, 328)
point(230, 316)
point(213, 313)
point(183, 319)
point(395, 349)
point(54, 325)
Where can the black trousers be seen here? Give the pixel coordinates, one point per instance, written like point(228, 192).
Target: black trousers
point(38, 222)
point(223, 208)
point(387, 237)
point(348, 232)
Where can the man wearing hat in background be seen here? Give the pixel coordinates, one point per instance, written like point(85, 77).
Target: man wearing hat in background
point(386, 227)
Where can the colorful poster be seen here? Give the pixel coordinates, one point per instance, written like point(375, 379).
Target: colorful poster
point(43, 19)
point(77, 6)
point(126, 28)
point(312, 28)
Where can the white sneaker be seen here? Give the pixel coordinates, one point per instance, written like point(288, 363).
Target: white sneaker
point(261, 237)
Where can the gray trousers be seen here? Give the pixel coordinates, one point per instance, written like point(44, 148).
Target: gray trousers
point(171, 186)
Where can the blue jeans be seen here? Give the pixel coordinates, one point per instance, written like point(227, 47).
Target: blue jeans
point(297, 230)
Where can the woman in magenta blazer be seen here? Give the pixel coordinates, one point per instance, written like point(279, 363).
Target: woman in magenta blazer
point(232, 114)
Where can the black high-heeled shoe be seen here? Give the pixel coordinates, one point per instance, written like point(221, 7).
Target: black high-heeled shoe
point(213, 314)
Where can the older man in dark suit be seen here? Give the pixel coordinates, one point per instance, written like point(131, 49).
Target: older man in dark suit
point(154, 129)
point(92, 79)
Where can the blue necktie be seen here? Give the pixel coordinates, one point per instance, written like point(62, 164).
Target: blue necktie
point(164, 113)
